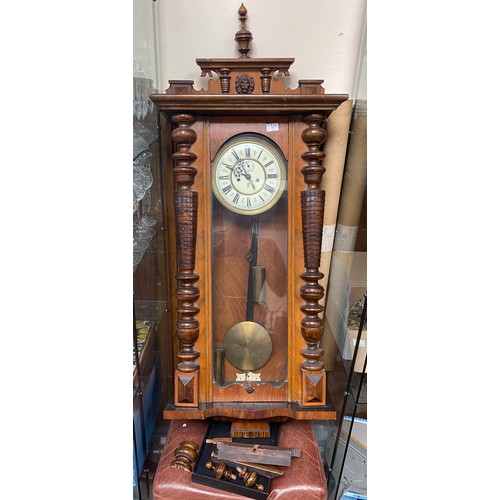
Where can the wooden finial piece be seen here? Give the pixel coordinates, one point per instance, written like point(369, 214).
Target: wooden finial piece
point(243, 37)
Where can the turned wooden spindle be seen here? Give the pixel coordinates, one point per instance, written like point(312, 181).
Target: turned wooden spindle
point(312, 205)
point(186, 216)
point(221, 471)
point(185, 455)
point(225, 80)
point(249, 478)
point(243, 37)
point(265, 80)
point(190, 445)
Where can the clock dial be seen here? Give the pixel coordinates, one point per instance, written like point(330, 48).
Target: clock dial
point(249, 174)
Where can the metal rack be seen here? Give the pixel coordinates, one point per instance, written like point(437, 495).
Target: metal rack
point(354, 397)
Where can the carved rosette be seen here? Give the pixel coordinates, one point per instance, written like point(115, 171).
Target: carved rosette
point(244, 84)
point(186, 215)
point(313, 206)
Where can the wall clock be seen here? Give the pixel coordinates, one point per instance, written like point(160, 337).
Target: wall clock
point(242, 176)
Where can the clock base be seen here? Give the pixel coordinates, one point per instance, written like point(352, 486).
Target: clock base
point(250, 411)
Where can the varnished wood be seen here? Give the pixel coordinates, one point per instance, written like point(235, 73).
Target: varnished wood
point(221, 471)
point(250, 429)
point(246, 94)
point(223, 128)
point(313, 207)
point(250, 105)
point(313, 387)
point(243, 37)
point(259, 411)
point(186, 216)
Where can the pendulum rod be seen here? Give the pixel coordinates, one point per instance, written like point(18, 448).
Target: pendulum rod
point(251, 257)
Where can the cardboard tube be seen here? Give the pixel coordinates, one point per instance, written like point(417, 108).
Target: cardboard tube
point(354, 184)
point(349, 212)
point(335, 147)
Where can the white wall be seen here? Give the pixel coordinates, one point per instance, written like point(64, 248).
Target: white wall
point(144, 40)
point(323, 36)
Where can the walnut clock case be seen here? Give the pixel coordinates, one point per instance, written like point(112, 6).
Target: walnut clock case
point(243, 172)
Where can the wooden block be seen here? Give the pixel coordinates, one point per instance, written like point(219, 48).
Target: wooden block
point(186, 389)
point(250, 429)
point(313, 388)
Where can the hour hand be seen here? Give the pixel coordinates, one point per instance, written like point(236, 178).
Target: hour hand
point(247, 176)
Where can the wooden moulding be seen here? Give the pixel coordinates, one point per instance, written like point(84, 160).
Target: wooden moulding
point(256, 104)
point(281, 64)
point(278, 412)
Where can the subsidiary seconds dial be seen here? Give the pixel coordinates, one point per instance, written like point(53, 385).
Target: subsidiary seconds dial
point(249, 174)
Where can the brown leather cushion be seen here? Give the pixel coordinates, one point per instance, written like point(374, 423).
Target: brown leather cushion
point(304, 479)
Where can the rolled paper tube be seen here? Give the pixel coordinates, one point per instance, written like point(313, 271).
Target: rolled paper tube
point(354, 185)
point(341, 207)
point(335, 148)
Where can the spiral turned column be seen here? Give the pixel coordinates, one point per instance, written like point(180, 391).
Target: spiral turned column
point(186, 380)
point(313, 206)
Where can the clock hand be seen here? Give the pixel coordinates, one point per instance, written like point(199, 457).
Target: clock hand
point(247, 175)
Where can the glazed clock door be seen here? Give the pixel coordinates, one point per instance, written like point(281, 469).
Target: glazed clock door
point(249, 270)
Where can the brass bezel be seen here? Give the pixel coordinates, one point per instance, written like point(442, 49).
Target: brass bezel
point(264, 142)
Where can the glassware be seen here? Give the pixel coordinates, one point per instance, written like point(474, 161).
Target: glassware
point(139, 145)
point(140, 245)
point(143, 87)
point(147, 219)
point(143, 180)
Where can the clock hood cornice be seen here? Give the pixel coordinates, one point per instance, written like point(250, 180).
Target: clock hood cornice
point(255, 104)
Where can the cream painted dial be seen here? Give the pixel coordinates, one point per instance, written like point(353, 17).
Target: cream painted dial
point(249, 174)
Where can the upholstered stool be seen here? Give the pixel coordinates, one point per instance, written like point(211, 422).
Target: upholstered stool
point(304, 479)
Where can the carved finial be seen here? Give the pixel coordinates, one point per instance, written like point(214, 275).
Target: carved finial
point(243, 37)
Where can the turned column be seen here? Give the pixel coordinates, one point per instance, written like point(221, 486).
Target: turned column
point(186, 380)
point(312, 201)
